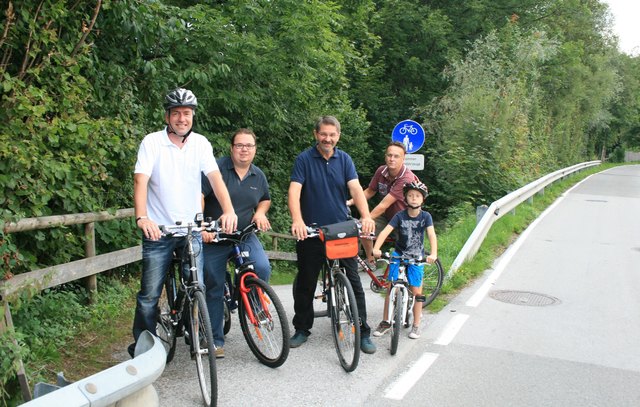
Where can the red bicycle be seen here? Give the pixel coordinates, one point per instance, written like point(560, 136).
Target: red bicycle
point(431, 283)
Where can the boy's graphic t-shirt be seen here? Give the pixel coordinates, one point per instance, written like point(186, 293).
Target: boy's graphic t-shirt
point(410, 240)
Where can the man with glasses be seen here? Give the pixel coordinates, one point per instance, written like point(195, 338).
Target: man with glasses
point(249, 191)
point(387, 182)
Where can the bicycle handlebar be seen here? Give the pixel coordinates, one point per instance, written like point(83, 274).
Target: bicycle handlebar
point(180, 230)
point(238, 235)
point(405, 259)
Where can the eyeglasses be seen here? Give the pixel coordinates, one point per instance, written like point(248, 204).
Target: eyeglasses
point(243, 146)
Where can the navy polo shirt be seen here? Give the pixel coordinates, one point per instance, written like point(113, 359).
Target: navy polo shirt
point(324, 185)
point(245, 193)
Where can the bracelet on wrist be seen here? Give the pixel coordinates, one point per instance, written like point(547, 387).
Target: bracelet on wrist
point(141, 217)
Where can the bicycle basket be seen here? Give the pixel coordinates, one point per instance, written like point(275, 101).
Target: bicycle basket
point(340, 240)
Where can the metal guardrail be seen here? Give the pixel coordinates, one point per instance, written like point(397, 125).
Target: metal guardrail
point(503, 206)
point(128, 379)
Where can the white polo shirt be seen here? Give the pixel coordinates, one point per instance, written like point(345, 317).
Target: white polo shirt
point(174, 191)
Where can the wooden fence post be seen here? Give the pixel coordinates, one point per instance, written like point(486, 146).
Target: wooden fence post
point(6, 325)
point(91, 282)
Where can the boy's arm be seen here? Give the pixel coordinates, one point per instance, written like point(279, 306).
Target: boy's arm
point(433, 243)
point(380, 240)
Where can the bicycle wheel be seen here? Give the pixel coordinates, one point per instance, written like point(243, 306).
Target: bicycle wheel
point(345, 322)
point(165, 328)
point(227, 319)
point(432, 281)
point(268, 337)
point(396, 324)
point(202, 348)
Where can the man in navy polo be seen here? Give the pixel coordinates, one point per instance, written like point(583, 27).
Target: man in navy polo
point(249, 191)
point(323, 179)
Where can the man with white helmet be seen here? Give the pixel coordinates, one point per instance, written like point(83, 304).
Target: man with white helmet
point(167, 189)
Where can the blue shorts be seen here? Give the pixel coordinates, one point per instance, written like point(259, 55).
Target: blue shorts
point(414, 272)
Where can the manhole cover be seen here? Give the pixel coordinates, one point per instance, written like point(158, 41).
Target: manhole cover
point(523, 298)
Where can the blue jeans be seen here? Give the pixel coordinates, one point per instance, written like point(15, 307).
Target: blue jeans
point(156, 259)
point(216, 257)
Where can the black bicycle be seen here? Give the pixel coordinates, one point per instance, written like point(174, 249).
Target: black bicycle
point(262, 317)
point(337, 291)
point(183, 310)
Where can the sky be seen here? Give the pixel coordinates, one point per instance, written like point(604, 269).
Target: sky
point(627, 25)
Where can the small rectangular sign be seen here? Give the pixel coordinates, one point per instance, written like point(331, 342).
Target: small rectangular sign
point(414, 161)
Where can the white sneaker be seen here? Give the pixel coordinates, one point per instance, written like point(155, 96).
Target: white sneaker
point(415, 332)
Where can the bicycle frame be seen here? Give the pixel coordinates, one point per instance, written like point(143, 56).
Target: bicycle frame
point(242, 269)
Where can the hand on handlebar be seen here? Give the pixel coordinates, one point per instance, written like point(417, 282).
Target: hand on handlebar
point(368, 225)
point(299, 230)
point(208, 237)
point(431, 259)
point(150, 229)
point(261, 222)
point(228, 222)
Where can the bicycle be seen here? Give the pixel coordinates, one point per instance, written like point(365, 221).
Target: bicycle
point(262, 316)
point(431, 282)
point(401, 300)
point(182, 303)
point(337, 292)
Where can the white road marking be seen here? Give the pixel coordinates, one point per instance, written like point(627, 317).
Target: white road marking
point(408, 379)
point(451, 329)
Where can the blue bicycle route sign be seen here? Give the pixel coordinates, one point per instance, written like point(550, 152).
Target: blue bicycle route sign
point(409, 133)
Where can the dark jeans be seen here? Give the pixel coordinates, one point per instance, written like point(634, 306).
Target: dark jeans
point(311, 257)
point(156, 258)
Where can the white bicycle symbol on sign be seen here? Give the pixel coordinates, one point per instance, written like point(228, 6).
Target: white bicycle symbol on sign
point(408, 128)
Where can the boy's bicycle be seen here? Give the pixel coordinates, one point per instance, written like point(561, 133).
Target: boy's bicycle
point(262, 317)
point(183, 310)
point(338, 294)
point(401, 300)
point(431, 282)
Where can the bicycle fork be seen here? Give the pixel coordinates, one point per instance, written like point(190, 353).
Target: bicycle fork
point(398, 289)
point(263, 301)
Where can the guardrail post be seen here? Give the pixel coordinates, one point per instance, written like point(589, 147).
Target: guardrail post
point(91, 282)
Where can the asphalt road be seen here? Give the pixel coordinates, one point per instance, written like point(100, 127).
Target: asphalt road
point(555, 322)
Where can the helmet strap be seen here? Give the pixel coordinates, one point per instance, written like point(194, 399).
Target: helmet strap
point(170, 130)
point(414, 207)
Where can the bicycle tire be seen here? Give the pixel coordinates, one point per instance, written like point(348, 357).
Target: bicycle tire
point(165, 328)
point(268, 339)
point(432, 281)
point(396, 324)
point(202, 348)
point(345, 322)
point(226, 318)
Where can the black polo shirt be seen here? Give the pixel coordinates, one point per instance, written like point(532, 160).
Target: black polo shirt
point(245, 193)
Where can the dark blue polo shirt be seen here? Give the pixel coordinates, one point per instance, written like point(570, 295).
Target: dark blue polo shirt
point(245, 194)
point(324, 185)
